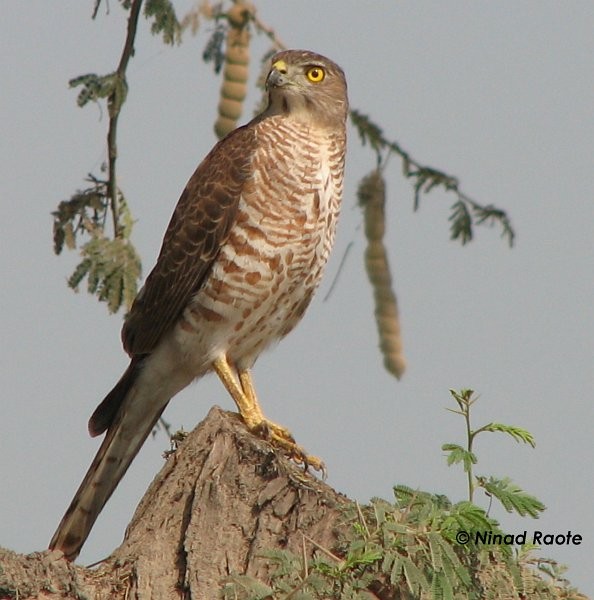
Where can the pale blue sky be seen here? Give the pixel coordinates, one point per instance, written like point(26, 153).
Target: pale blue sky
point(499, 94)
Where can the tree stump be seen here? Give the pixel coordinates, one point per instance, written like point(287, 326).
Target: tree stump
point(221, 500)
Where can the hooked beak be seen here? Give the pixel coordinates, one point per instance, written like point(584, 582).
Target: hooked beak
point(278, 75)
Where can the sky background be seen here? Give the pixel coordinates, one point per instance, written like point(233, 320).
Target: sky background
point(498, 94)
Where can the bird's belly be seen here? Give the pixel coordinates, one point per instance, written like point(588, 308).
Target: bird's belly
point(240, 312)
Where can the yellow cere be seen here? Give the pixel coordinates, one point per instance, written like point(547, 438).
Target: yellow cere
point(316, 74)
point(280, 65)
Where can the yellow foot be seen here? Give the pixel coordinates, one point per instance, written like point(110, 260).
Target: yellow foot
point(269, 430)
point(239, 384)
point(281, 438)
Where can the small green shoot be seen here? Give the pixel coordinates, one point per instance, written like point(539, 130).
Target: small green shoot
point(511, 496)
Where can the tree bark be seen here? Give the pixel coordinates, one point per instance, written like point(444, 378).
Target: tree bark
point(221, 499)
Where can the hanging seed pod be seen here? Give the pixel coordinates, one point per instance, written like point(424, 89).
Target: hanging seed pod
point(372, 195)
point(235, 72)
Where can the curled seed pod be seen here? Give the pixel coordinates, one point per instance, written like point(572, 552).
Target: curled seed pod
point(235, 72)
point(372, 196)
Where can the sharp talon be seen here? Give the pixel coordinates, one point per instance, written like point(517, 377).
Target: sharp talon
point(272, 432)
point(299, 455)
point(281, 438)
point(315, 463)
point(261, 430)
point(318, 465)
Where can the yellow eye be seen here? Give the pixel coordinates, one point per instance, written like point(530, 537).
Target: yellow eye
point(316, 74)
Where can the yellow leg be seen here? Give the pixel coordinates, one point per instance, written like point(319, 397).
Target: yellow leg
point(247, 385)
point(248, 408)
point(244, 395)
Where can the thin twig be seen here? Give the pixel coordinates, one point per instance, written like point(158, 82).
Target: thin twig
point(115, 101)
point(269, 32)
point(323, 550)
point(362, 519)
point(426, 177)
point(339, 270)
point(304, 555)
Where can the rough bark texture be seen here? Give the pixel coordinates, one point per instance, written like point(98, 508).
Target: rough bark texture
point(222, 498)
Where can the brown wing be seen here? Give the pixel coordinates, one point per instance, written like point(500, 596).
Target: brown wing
point(200, 225)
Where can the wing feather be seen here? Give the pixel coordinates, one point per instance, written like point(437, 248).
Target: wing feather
point(200, 225)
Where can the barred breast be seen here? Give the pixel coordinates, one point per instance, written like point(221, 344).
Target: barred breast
point(265, 275)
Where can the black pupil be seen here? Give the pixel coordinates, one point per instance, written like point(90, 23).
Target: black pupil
point(315, 73)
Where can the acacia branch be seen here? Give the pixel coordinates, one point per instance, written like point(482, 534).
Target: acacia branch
point(465, 211)
point(114, 102)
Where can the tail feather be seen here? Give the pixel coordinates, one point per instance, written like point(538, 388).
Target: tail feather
point(105, 413)
point(137, 411)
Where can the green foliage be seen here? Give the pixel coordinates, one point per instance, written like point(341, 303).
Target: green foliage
point(162, 12)
point(96, 87)
point(404, 549)
point(112, 268)
point(164, 20)
point(519, 434)
point(214, 51)
point(84, 212)
point(457, 454)
point(400, 547)
point(461, 221)
point(511, 496)
point(466, 212)
point(242, 586)
point(466, 516)
point(111, 265)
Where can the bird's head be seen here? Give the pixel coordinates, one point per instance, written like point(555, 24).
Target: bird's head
point(308, 87)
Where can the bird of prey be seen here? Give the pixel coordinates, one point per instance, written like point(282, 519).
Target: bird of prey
point(241, 258)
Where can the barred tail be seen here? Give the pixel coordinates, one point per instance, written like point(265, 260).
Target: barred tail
point(129, 414)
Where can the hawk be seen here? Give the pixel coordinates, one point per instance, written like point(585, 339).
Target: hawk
point(241, 258)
